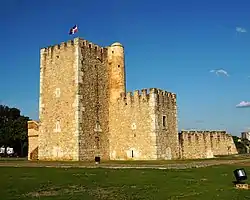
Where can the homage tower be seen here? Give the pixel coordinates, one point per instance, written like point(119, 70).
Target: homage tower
point(59, 110)
point(85, 111)
point(117, 84)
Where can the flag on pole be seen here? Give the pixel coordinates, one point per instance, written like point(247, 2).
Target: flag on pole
point(73, 30)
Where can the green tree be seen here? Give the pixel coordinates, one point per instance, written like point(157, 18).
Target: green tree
point(241, 145)
point(13, 129)
point(235, 139)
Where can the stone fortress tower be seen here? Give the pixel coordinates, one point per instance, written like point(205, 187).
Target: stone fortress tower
point(85, 110)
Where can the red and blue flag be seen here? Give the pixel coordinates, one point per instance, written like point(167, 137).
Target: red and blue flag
point(73, 30)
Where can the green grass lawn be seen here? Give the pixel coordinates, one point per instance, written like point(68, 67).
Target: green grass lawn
point(210, 183)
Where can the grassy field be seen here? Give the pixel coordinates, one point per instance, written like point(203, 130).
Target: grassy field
point(209, 183)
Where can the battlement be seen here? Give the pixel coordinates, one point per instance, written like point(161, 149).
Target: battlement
point(205, 144)
point(56, 47)
point(100, 52)
point(211, 133)
point(82, 43)
point(203, 131)
point(147, 95)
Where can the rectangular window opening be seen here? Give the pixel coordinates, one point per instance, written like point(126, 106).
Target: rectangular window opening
point(97, 140)
point(58, 92)
point(164, 121)
point(58, 127)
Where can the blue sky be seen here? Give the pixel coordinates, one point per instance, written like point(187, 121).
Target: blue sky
point(172, 45)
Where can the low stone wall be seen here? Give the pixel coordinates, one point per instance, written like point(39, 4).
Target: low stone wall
point(33, 129)
point(205, 144)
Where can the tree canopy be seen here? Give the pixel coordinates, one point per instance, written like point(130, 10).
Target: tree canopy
point(13, 129)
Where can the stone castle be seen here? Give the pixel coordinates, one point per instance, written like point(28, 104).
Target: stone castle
point(85, 111)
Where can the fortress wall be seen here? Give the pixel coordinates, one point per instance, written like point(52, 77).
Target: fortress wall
point(80, 83)
point(137, 126)
point(205, 144)
point(94, 101)
point(33, 132)
point(216, 143)
point(166, 127)
point(132, 127)
point(230, 144)
point(222, 143)
point(58, 109)
point(195, 145)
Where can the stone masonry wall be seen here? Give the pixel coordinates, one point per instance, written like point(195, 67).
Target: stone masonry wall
point(82, 115)
point(166, 128)
point(33, 130)
point(59, 102)
point(205, 144)
point(132, 131)
point(195, 145)
point(136, 127)
point(222, 143)
point(94, 102)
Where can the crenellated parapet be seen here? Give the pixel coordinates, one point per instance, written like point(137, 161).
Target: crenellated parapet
point(205, 144)
point(146, 96)
point(213, 135)
point(56, 49)
point(94, 49)
point(212, 132)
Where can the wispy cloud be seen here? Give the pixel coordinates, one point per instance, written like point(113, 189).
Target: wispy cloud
point(199, 121)
point(220, 72)
point(241, 30)
point(243, 104)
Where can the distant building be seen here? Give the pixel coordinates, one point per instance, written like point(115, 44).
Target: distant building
point(245, 135)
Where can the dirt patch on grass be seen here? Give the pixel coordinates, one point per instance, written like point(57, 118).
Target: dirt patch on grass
point(192, 194)
point(42, 194)
point(98, 193)
point(246, 164)
point(55, 191)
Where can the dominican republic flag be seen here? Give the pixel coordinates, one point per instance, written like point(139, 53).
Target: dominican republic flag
point(73, 30)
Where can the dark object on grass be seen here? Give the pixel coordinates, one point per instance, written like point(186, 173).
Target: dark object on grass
point(240, 175)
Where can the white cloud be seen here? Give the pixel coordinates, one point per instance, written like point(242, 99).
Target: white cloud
point(199, 121)
point(241, 30)
point(220, 72)
point(243, 104)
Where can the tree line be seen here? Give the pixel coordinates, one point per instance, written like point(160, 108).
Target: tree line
point(242, 145)
point(14, 130)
